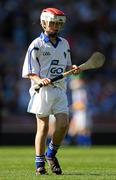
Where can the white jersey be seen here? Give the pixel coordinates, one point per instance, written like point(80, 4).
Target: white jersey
point(46, 59)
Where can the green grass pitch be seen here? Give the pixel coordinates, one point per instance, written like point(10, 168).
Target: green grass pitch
point(95, 163)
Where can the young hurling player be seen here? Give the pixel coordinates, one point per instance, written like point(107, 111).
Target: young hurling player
point(48, 56)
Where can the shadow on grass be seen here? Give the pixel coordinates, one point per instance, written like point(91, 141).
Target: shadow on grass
point(89, 174)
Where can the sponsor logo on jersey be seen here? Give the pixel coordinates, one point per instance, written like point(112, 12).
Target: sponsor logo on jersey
point(55, 62)
point(56, 70)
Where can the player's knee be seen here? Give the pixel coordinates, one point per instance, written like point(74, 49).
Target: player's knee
point(64, 126)
point(43, 127)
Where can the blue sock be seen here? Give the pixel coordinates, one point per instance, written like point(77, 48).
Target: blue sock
point(52, 150)
point(80, 140)
point(83, 140)
point(39, 161)
point(88, 140)
point(69, 139)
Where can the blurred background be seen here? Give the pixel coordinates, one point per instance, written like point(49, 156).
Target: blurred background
point(90, 27)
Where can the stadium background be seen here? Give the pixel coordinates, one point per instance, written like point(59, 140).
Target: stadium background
point(91, 26)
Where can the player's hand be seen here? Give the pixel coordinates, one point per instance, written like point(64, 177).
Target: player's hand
point(44, 81)
point(77, 70)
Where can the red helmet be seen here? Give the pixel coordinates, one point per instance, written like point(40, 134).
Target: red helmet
point(52, 14)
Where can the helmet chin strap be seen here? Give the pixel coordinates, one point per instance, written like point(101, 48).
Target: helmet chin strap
point(52, 34)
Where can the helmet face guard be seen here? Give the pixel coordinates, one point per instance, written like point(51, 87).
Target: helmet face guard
point(51, 19)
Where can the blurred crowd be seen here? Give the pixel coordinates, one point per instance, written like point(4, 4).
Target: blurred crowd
point(90, 27)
